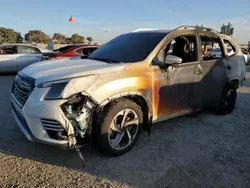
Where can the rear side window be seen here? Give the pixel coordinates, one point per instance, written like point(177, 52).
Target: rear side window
point(63, 49)
point(230, 48)
point(211, 48)
point(85, 51)
point(28, 50)
point(4, 50)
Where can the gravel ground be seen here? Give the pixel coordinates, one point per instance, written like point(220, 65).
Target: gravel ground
point(207, 151)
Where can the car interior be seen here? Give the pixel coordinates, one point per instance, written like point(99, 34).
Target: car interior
point(210, 46)
point(183, 47)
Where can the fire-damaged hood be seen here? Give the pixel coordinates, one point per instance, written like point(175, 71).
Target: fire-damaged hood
point(52, 70)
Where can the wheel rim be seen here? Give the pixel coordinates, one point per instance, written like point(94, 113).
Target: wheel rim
point(123, 129)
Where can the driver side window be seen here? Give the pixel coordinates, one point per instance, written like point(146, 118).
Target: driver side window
point(184, 47)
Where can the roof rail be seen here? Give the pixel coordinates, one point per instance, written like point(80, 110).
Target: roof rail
point(196, 28)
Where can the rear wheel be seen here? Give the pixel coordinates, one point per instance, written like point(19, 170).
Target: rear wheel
point(121, 127)
point(227, 101)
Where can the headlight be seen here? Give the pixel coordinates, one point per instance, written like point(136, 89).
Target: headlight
point(64, 88)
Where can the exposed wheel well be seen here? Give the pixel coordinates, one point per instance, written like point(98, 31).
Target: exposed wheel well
point(235, 83)
point(140, 101)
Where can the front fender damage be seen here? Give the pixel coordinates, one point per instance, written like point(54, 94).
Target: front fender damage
point(78, 113)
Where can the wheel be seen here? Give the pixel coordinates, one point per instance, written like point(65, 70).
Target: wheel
point(121, 126)
point(227, 101)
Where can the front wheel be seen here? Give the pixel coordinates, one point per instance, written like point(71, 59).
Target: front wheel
point(227, 101)
point(121, 127)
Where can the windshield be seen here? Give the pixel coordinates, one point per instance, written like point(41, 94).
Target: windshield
point(131, 47)
point(63, 48)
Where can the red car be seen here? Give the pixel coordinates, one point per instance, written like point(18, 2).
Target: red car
point(70, 51)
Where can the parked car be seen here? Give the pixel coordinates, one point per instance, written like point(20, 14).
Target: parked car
point(14, 57)
point(246, 55)
point(132, 81)
point(216, 52)
point(70, 51)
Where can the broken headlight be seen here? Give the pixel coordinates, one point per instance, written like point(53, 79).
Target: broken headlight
point(64, 88)
point(79, 110)
point(56, 89)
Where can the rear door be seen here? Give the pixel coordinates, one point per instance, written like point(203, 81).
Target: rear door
point(212, 70)
point(27, 55)
point(8, 59)
point(236, 63)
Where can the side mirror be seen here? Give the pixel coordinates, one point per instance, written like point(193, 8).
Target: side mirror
point(171, 59)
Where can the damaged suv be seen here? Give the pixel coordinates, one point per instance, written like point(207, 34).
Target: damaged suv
point(134, 80)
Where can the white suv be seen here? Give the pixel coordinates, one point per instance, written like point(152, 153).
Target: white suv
point(132, 81)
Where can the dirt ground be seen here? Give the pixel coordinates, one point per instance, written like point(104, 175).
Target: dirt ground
point(207, 151)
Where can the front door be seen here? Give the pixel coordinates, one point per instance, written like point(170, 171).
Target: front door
point(27, 55)
point(175, 88)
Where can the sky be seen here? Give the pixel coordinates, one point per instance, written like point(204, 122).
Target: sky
point(95, 17)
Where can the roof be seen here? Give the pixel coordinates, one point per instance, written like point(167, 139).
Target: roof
point(152, 31)
point(18, 44)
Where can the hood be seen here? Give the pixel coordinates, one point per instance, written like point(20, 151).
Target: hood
point(52, 70)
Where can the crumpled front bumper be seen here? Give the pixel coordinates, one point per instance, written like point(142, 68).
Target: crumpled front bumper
point(29, 117)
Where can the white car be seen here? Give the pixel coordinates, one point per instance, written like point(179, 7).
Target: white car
point(216, 52)
point(14, 57)
point(246, 55)
point(122, 87)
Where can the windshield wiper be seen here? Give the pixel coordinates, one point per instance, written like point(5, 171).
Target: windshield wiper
point(108, 60)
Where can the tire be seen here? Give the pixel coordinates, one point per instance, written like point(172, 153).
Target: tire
point(107, 137)
point(227, 101)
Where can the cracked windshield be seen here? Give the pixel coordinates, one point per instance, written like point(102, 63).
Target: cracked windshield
point(138, 93)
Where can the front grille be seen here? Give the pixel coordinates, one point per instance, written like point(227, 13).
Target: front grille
point(53, 128)
point(22, 88)
point(51, 125)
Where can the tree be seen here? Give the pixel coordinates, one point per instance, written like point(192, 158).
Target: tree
point(77, 39)
point(47, 39)
point(8, 35)
point(89, 39)
point(81, 39)
point(19, 38)
point(68, 41)
point(60, 38)
point(36, 36)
